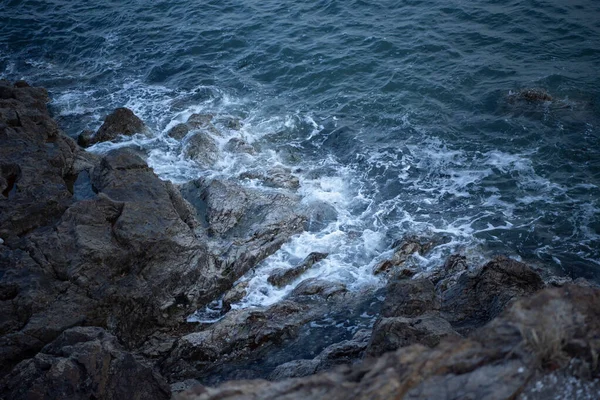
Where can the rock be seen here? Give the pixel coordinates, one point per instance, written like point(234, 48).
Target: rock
point(179, 131)
point(234, 124)
point(237, 293)
point(241, 334)
point(201, 148)
point(406, 248)
point(85, 139)
point(530, 95)
point(122, 121)
point(237, 145)
point(478, 297)
point(496, 363)
point(277, 177)
point(282, 277)
point(249, 224)
point(318, 287)
point(410, 298)
point(345, 352)
point(320, 214)
point(392, 333)
point(84, 363)
point(295, 369)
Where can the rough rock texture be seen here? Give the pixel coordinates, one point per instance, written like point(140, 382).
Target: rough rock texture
point(246, 225)
point(495, 363)
point(237, 145)
point(122, 121)
point(281, 277)
point(402, 252)
point(202, 148)
point(417, 311)
point(84, 363)
point(277, 177)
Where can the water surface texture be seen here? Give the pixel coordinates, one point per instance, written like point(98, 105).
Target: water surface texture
point(399, 114)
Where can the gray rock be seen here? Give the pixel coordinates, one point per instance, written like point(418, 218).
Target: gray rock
point(237, 145)
point(277, 177)
point(318, 287)
point(122, 121)
point(179, 131)
point(295, 369)
point(237, 293)
point(282, 277)
point(84, 363)
point(201, 148)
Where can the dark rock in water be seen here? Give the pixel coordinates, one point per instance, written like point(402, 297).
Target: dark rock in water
point(277, 177)
point(282, 277)
point(403, 250)
point(235, 337)
point(530, 95)
point(410, 298)
point(320, 214)
point(122, 121)
point(237, 145)
point(251, 224)
point(85, 138)
point(234, 124)
point(201, 148)
point(84, 363)
point(318, 287)
point(196, 121)
point(237, 293)
point(179, 131)
point(497, 362)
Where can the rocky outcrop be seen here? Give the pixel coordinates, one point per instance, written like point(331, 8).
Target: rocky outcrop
point(277, 177)
point(84, 363)
point(121, 121)
point(497, 362)
point(417, 311)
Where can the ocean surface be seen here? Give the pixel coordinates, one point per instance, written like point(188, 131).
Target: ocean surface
point(403, 115)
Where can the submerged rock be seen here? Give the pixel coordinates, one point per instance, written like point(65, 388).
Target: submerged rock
point(201, 148)
point(533, 95)
point(237, 145)
point(277, 177)
point(122, 121)
point(406, 248)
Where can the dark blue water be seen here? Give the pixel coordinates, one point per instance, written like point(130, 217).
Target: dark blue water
point(399, 114)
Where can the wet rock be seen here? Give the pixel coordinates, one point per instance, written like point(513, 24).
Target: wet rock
point(282, 277)
point(179, 131)
point(239, 335)
point(534, 95)
point(318, 287)
point(234, 124)
point(237, 145)
point(84, 363)
point(320, 214)
point(122, 121)
point(345, 352)
point(277, 177)
point(201, 148)
point(403, 250)
point(495, 363)
point(237, 293)
point(246, 224)
point(410, 298)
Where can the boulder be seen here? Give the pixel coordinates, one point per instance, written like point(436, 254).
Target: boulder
point(282, 277)
point(403, 250)
point(122, 121)
point(237, 293)
point(315, 287)
point(84, 363)
point(201, 148)
point(179, 131)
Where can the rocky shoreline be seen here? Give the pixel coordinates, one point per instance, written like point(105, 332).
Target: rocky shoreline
point(101, 263)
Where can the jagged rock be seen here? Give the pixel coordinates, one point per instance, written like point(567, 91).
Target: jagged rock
point(295, 369)
point(201, 148)
point(403, 250)
point(345, 352)
point(318, 287)
point(320, 214)
point(179, 131)
point(237, 145)
point(251, 224)
point(234, 295)
point(480, 295)
point(239, 335)
point(496, 363)
point(122, 121)
point(282, 277)
point(391, 333)
point(410, 298)
point(277, 177)
point(84, 363)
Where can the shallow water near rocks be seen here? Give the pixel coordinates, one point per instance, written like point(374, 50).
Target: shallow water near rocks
point(397, 115)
